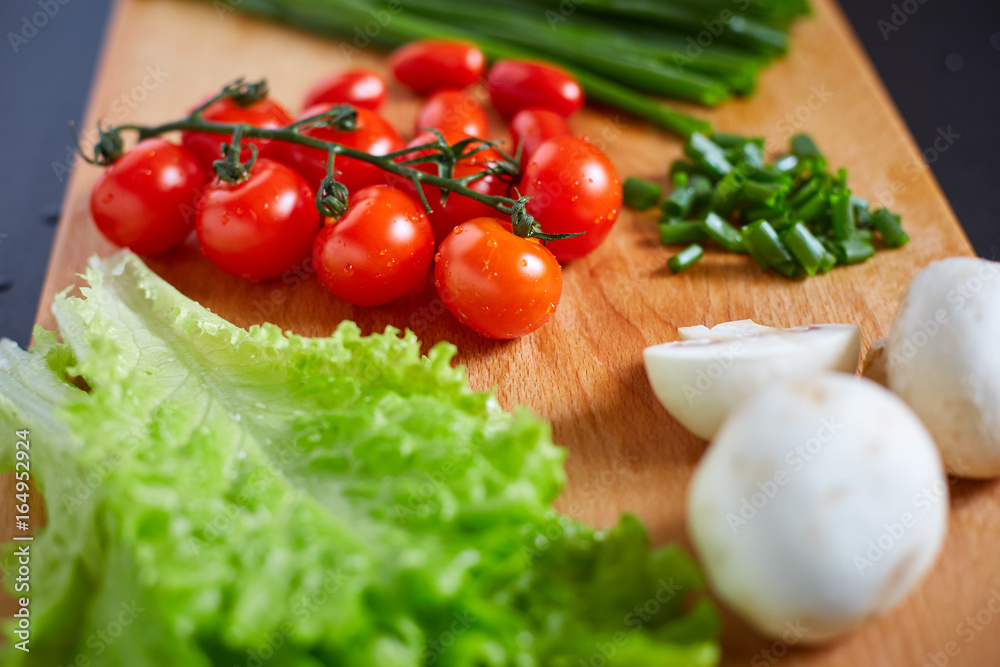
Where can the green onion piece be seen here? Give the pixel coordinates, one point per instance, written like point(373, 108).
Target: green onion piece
point(806, 248)
point(686, 258)
point(641, 194)
point(702, 187)
point(862, 214)
point(680, 179)
point(676, 233)
point(723, 233)
point(679, 202)
point(812, 208)
point(787, 163)
point(805, 193)
point(708, 155)
point(828, 262)
point(842, 177)
point(727, 192)
point(752, 154)
point(853, 250)
point(842, 214)
point(888, 226)
point(787, 269)
point(803, 146)
point(768, 194)
point(764, 239)
point(682, 167)
point(726, 140)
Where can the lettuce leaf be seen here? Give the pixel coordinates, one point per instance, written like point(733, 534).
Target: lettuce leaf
point(223, 497)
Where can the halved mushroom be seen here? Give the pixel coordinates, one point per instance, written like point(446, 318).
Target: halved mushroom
point(699, 380)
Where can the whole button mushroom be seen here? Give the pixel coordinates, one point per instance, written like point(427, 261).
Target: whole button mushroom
point(821, 502)
point(943, 359)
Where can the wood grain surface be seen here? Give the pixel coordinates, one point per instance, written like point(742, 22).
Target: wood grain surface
point(583, 371)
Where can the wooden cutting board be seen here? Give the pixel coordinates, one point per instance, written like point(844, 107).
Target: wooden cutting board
point(583, 371)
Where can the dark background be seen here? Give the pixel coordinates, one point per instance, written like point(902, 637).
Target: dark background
point(942, 68)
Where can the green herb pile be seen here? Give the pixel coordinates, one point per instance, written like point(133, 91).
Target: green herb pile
point(792, 216)
point(224, 497)
point(703, 51)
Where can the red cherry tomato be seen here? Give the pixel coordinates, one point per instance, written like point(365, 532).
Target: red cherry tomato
point(515, 85)
point(361, 88)
point(458, 208)
point(434, 64)
point(260, 228)
point(574, 188)
point(531, 128)
point(371, 135)
point(498, 284)
point(207, 146)
point(146, 199)
point(454, 111)
point(379, 251)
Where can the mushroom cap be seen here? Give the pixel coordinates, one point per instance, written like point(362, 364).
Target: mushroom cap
point(944, 360)
point(701, 378)
point(821, 502)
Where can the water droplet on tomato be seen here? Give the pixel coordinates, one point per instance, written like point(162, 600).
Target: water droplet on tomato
point(108, 198)
point(437, 257)
point(348, 270)
point(574, 198)
point(524, 262)
point(492, 243)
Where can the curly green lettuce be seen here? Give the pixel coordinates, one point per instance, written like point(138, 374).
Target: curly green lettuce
point(219, 497)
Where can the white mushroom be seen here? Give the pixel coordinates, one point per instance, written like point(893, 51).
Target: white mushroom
point(701, 379)
point(876, 364)
point(944, 360)
point(820, 503)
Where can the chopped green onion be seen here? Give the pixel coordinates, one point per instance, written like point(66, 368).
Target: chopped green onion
point(765, 239)
point(676, 233)
point(853, 250)
point(679, 202)
point(723, 233)
point(641, 194)
point(708, 155)
point(768, 194)
point(843, 215)
point(803, 146)
point(686, 258)
point(829, 261)
point(807, 249)
point(888, 226)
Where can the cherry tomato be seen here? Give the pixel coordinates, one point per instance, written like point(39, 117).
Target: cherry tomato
point(361, 88)
point(458, 208)
point(434, 64)
point(516, 84)
point(372, 135)
point(453, 111)
point(260, 228)
point(141, 200)
point(531, 128)
point(498, 284)
point(575, 188)
point(379, 251)
point(207, 146)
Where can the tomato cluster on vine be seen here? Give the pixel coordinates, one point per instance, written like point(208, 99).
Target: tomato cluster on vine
point(492, 229)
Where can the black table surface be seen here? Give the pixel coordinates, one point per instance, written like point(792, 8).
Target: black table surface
point(940, 61)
